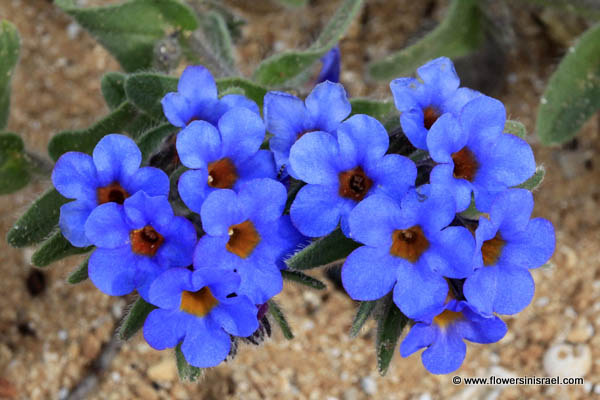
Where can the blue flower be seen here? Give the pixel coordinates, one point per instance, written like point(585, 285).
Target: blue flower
point(475, 156)
point(197, 99)
point(443, 338)
point(341, 171)
point(200, 308)
point(111, 174)
point(330, 70)
point(409, 249)
point(136, 242)
point(246, 233)
point(288, 118)
point(508, 244)
point(422, 102)
point(223, 158)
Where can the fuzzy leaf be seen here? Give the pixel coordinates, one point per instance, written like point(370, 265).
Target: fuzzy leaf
point(303, 279)
point(134, 321)
point(379, 110)
point(80, 274)
point(282, 68)
point(85, 140)
point(14, 172)
point(146, 90)
point(149, 141)
point(458, 34)
point(389, 327)
point(278, 316)
point(535, 181)
point(130, 30)
point(323, 251)
point(38, 221)
point(365, 309)
point(515, 128)
point(573, 93)
point(293, 3)
point(113, 89)
point(251, 90)
point(54, 249)
point(185, 370)
point(9, 56)
point(216, 35)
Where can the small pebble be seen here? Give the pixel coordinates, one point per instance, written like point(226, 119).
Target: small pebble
point(568, 360)
point(369, 385)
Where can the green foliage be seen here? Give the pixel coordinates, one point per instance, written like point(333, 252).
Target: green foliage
point(134, 321)
point(14, 173)
point(80, 274)
point(515, 128)
point(535, 181)
point(365, 309)
point(9, 55)
point(389, 327)
point(573, 92)
point(293, 3)
point(38, 221)
point(331, 248)
point(214, 46)
point(113, 89)
point(54, 249)
point(458, 34)
point(149, 141)
point(131, 29)
point(251, 90)
point(278, 316)
point(380, 110)
point(303, 279)
point(185, 370)
point(282, 68)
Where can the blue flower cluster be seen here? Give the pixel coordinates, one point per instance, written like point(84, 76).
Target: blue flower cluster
point(211, 278)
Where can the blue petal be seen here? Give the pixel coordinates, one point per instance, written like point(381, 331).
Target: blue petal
point(316, 210)
point(198, 144)
point(483, 119)
point(151, 180)
point(440, 74)
point(419, 293)
point(413, 126)
point(458, 100)
point(481, 288)
point(393, 175)
point(369, 273)
point(113, 271)
point(260, 165)
point(222, 282)
point(511, 210)
point(438, 209)
point(515, 290)
point(165, 291)
point(362, 140)
point(262, 199)
point(177, 109)
point(193, 188)
point(481, 329)
point(220, 210)
point(211, 252)
point(446, 354)
point(445, 138)
point(510, 162)
point(313, 158)
point(451, 252)
point(330, 70)
point(142, 210)
point(285, 116)
point(420, 335)
point(242, 133)
point(460, 189)
point(180, 239)
point(116, 157)
point(328, 105)
point(408, 94)
point(374, 220)
point(260, 281)
point(73, 216)
point(205, 344)
point(532, 247)
point(74, 176)
point(106, 226)
point(165, 328)
point(197, 83)
point(237, 100)
point(237, 316)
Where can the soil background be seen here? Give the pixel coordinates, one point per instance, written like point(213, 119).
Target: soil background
point(51, 332)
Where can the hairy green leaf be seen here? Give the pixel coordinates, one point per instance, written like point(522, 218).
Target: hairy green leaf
point(323, 251)
point(278, 316)
point(38, 221)
point(293, 3)
point(146, 90)
point(14, 172)
point(251, 90)
point(80, 274)
point(185, 370)
point(365, 309)
point(515, 128)
point(9, 55)
point(573, 93)
point(535, 181)
point(282, 68)
point(458, 34)
point(379, 110)
point(135, 318)
point(131, 29)
point(54, 249)
point(389, 327)
point(303, 279)
point(216, 35)
point(149, 141)
point(113, 89)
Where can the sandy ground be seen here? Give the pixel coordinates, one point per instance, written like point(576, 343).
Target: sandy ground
point(50, 332)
